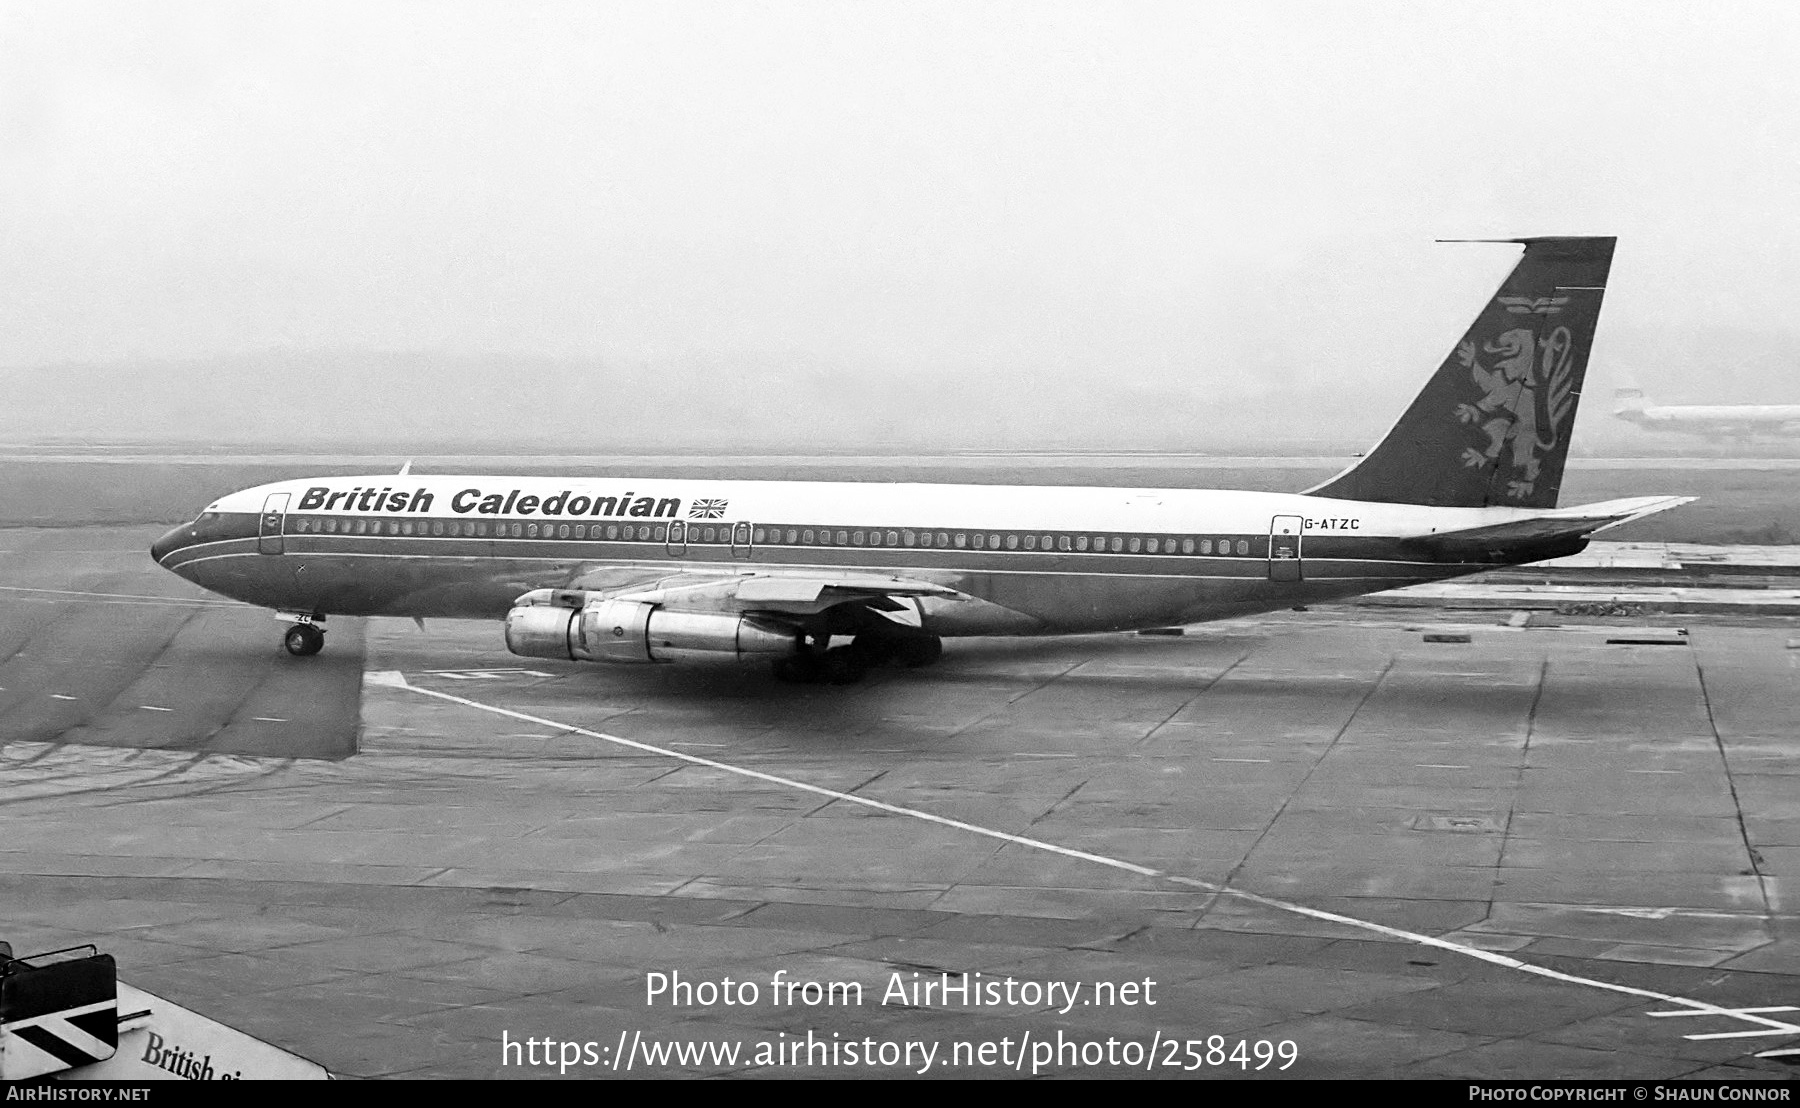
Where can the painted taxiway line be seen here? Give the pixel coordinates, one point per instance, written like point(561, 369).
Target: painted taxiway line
point(1766, 1026)
point(140, 597)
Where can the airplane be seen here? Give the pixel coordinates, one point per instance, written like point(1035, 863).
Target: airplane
point(1715, 421)
point(646, 569)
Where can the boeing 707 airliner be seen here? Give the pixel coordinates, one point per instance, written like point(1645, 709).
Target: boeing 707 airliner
point(650, 570)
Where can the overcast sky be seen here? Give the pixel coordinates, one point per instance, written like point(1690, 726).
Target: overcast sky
point(1184, 194)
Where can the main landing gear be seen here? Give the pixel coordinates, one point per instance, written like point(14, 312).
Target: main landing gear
point(304, 640)
point(846, 665)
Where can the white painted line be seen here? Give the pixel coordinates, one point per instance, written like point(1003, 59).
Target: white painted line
point(395, 679)
point(1785, 1052)
point(1789, 1030)
point(267, 719)
point(60, 696)
point(1259, 761)
point(1775, 1008)
point(1434, 765)
point(1676, 772)
point(123, 596)
point(154, 708)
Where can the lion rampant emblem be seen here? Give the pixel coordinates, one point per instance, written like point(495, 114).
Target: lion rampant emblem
point(1526, 397)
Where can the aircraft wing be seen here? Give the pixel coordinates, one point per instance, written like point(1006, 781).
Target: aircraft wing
point(1577, 522)
point(794, 593)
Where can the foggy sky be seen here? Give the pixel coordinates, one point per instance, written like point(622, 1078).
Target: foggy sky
point(1228, 201)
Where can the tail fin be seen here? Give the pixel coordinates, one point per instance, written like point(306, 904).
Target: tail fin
point(1491, 427)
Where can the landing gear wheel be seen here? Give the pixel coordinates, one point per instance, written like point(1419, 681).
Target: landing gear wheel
point(799, 670)
point(841, 665)
point(918, 651)
point(845, 665)
point(303, 640)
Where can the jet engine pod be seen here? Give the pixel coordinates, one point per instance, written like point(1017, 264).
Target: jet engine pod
point(616, 631)
point(676, 635)
point(634, 631)
point(542, 631)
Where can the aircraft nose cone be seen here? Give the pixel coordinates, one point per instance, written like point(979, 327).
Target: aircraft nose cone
point(169, 543)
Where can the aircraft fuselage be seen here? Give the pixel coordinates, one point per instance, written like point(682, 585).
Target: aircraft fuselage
point(1022, 560)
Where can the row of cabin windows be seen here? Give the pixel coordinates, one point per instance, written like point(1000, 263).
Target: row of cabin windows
point(979, 540)
point(792, 536)
point(480, 528)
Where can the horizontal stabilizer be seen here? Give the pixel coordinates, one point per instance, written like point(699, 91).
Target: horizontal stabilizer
point(1576, 522)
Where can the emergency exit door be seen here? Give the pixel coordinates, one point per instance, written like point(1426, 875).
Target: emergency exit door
point(268, 530)
point(1284, 548)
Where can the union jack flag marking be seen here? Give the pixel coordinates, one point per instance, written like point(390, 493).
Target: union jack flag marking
point(708, 509)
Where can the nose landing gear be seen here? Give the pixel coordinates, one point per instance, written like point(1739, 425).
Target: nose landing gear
point(304, 640)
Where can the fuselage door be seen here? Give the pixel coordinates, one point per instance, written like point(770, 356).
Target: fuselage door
point(740, 540)
point(1284, 548)
point(678, 538)
point(268, 529)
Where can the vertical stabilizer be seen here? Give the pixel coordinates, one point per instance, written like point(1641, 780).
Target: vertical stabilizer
point(1491, 427)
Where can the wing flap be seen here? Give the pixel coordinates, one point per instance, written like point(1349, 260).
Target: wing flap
point(1577, 522)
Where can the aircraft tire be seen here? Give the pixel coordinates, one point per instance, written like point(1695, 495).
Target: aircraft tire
point(845, 665)
point(800, 669)
point(922, 650)
point(303, 640)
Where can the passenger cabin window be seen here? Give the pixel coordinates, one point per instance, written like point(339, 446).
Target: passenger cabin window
point(1062, 542)
point(1243, 546)
point(1012, 542)
point(1031, 542)
point(1136, 544)
point(1151, 545)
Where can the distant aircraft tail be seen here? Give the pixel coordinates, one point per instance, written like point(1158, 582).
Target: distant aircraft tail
point(1491, 427)
point(1629, 403)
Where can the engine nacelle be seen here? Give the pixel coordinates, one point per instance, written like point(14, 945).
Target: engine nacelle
point(634, 631)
